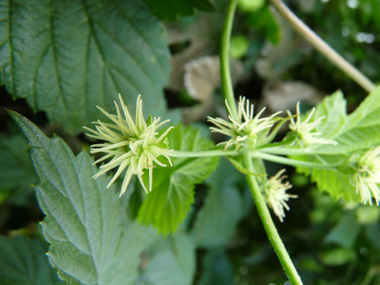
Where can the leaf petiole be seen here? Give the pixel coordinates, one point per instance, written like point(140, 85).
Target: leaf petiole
point(207, 153)
point(288, 161)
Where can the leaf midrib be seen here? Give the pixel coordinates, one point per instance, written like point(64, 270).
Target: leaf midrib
point(57, 73)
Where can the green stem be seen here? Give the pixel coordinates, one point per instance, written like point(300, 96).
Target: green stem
point(323, 47)
point(294, 151)
point(288, 161)
point(226, 82)
point(286, 151)
point(269, 226)
point(206, 153)
point(247, 161)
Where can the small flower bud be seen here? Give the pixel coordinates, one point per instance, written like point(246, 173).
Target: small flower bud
point(367, 176)
point(276, 196)
point(246, 129)
point(130, 144)
point(304, 130)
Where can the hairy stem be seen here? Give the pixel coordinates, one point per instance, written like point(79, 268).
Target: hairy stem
point(227, 89)
point(287, 151)
point(247, 161)
point(206, 153)
point(323, 47)
point(269, 226)
point(288, 161)
point(292, 151)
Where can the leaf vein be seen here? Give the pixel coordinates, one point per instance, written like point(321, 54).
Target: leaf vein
point(142, 37)
point(34, 99)
point(131, 55)
point(56, 62)
point(10, 48)
point(92, 31)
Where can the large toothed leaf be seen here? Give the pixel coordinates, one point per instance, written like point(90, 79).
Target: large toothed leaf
point(173, 187)
point(356, 132)
point(335, 182)
point(334, 108)
point(172, 9)
point(24, 262)
point(66, 57)
point(91, 240)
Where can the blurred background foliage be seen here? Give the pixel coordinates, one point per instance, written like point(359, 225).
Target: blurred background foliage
point(331, 242)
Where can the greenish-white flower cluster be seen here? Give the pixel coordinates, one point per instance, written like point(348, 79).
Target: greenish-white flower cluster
point(276, 196)
point(131, 145)
point(247, 130)
point(305, 130)
point(367, 176)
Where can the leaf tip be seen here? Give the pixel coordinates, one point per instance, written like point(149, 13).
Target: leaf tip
point(11, 112)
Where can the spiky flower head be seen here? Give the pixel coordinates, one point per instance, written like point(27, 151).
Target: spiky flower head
point(276, 196)
point(367, 176)
point(129, 144)
point(304, 129)
point(246, 129)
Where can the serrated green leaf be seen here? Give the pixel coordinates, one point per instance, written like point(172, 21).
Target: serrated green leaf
point(66, 57)
point(173, 187)
point(176, 252)
point(23, 262)
point(91, 241)
point(223, 208)
point(336, 182)
point(355, 132)
point(171, 9)
point(334, 108)
point(16, 170)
